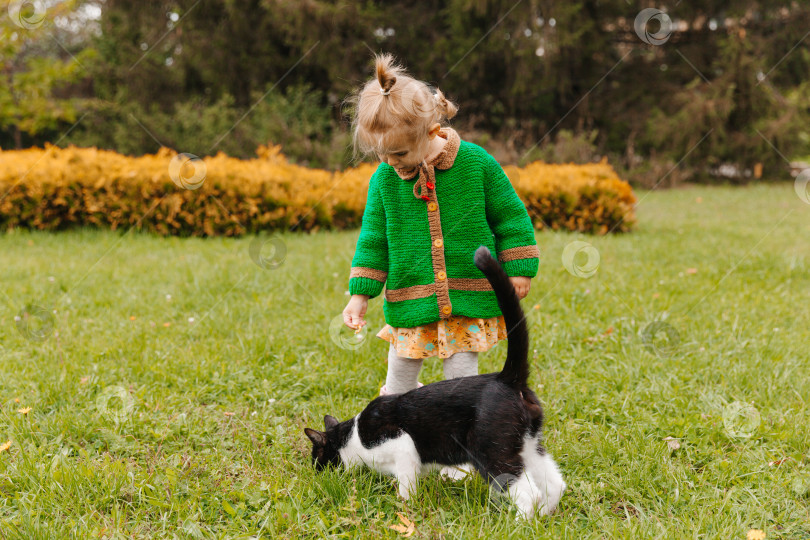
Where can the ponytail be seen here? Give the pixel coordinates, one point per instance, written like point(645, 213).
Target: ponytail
point(446, 108)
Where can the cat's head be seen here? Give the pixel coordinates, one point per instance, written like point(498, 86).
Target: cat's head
point(325, 444)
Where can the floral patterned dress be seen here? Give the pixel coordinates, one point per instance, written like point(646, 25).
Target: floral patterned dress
point(445, 337)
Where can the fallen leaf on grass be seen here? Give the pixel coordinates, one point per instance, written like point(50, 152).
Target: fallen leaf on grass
point(5, 446)
point(228, 414)
point(407, 528)
point(778, 462)
point(691, 270)
point(672, 442)
point(600, 337)
point(755, 534)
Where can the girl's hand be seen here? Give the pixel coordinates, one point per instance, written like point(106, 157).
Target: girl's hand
point(522, 284)
point(355, 310)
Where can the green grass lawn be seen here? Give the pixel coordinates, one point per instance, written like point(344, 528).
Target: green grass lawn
point(170, 395)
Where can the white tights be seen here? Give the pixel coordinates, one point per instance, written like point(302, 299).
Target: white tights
point(403, 372)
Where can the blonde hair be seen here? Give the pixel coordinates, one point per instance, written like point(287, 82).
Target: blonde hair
point(395, 110)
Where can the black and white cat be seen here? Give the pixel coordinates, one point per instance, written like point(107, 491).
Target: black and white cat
point(492, 421)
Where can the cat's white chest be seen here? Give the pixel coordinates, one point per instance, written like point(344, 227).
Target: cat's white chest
point(387, 457)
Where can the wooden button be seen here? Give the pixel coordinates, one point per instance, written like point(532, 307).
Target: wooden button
point(432, 206)
point(441, 275)
point(438, 242)
point(446, 310)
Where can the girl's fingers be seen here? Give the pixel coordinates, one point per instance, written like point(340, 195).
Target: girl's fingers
point(350, 320)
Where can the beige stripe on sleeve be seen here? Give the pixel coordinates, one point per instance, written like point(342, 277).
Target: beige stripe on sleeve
point(520, 252)
point(372, 273)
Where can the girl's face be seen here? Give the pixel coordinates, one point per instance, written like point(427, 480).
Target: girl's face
point(400, 158)
point(403, 155)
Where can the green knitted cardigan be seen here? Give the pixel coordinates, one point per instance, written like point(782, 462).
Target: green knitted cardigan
point(418, 236)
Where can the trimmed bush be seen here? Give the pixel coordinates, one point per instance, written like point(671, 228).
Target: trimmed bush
point(169, 194)
point(588, 198)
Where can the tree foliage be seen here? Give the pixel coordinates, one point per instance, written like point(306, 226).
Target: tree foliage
point(728, 84)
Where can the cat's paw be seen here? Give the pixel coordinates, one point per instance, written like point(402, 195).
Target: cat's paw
point(406, 485)
point(404, 492)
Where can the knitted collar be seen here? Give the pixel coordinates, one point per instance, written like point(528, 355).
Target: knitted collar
point(444, 160)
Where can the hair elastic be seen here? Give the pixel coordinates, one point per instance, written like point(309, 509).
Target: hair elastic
point(383, 92)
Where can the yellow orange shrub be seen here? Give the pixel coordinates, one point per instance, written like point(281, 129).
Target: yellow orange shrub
point(58, 188)
point(587, 198)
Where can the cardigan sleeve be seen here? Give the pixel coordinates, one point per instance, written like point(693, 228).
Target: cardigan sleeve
point(515, 243)
point(370, 262)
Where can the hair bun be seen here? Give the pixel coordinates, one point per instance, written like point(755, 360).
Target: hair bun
point(448, 109)
point(387, 70)
point(385, 88)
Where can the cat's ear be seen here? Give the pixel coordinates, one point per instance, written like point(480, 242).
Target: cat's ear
point(330, 421)
point(318, 438)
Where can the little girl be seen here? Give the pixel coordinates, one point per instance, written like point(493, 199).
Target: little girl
point(431, 203)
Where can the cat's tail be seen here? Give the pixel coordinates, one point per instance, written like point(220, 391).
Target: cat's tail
point(515, 371)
